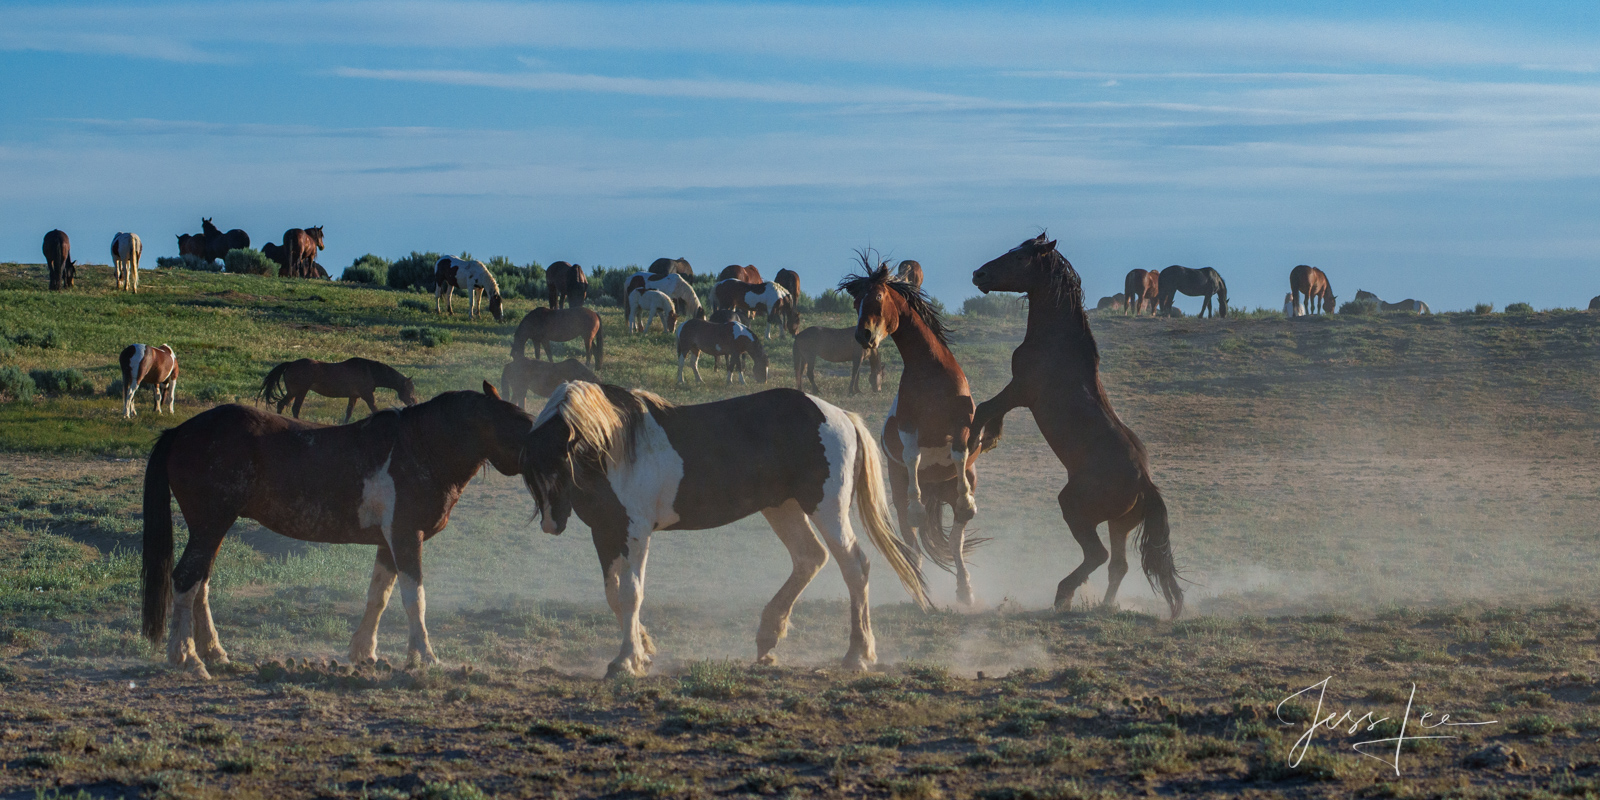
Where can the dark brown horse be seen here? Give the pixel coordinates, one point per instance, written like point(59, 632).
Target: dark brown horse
point(523, 375)
point(910, 272)
point(1203, 282)
point(1055, 372)
point(355, 378)
point(666, 266)
point(1313, 284)
point(790, 281)
point(838, 345)
point(190, 244)
point(217, 243)
point(301, 247)
point(566, 285)
point(279, 255)
point(545, 325)
point(58, 256)
point(731, 339)
point(1141, 289)
point(748, 274)
point(1594, 303)
point(389, 480)
point(926, 432)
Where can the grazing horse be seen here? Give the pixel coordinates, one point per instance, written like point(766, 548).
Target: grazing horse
point(58, 255)
point(838, 345)
point(1594, 303)
point(524, 375)
point(670, 266)
point(1313, 283)
point(472, 277)
point(1142, 287)
point(671, 284)
point(355, 378)
point(731, 339)
point(144, 365)
point(748, 274)
point(1116, 302)
point(217, 243)
point(925, 434)
point(1404, 305)
point(766, 299)
point(125, 251)
point(545, 325)
point(910, 272)
point(1293, 308)
point(389, 480)
point(1055, 372)
point(645, 304)
point(566, 285)
point(1203, 282)
point(630, 464)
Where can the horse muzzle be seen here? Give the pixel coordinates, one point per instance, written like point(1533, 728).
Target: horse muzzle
point(980, 279)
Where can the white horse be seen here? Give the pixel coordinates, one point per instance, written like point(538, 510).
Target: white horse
point(630, 464)
point(472, 277)
point(125, 251)
point(672, 285)
point(645, 304)
point(1292, 307)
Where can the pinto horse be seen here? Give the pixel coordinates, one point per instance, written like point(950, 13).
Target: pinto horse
point(545, 325)
point(669, 266)
point(1203, 282)
point(566, 284)
point(1404, 305)
point(143, 365)
point(355, 378)
point(673, 285)
point(1055, 372)
point(58, 256)
point(472, 277)
point(644, 305)
point(764, 299)
point(926, 432)
point(524, 375)
point(389, 480)
point(125, 251)
point(630, 464)
point(838, 345)
point(1313, 283)
point(1141, 287)
point(731, 339)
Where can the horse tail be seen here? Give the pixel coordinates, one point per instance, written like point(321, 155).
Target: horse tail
point(599, 346)
point(272, 387)
point(935, 536)
point(874, 511)
point(1155, 551)
point(157, 539)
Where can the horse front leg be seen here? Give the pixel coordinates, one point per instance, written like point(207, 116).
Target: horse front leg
point(911, 456)
point(364, 645)
point(206, 642)
point(988, 419)
point(958, 536)
point(406, 545)
point(349, 409)
point(625, 581)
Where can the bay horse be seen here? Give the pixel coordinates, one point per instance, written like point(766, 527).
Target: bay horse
point(1141, 287)
point(1404, 305)
point(790, 281)
point(668, 266)
point(566, 285)
point(731, 339)
point(58, 256)
point(766, 299)
point(1203, 282)
point(125, 252)
point(190, 244)
point(1313, 283)
point(144, 365)
point(748, 274)
point(217, 243)
point(673, 285)
point(926, 432)
point(471, 277)
point(630, 464)
point(838, 345)
point(643, 307)
point(1055, 373)
point(355, 378)
point(524, 375)
point(389, 480)
point(545, 325)
point(300, 248)
point(910, 272)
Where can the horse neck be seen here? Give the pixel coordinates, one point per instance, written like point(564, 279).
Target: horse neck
point(920, 349)
point(387, 377)
point(1057, 320)
point(442, 450)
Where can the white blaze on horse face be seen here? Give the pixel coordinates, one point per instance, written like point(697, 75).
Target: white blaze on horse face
point(647, 485)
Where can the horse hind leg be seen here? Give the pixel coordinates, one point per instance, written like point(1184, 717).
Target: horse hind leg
point(191, 630)
point(832, 519)
point(349, 409)
point(364, 645)
point(1083, 530)
point(809, 557)
point(1118, 568)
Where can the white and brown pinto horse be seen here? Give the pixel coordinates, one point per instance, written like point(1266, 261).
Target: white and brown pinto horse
point(630, 464)
point(644, 305)
point(757, 300)
point(670, 284)
point(144, 365)
point(389, 480)
point(125, 251)
point(730, 339)
point(472, 277)
point(1404, 305)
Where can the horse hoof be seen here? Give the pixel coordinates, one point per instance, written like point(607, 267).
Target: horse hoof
point(854, 663)
point(768, 660)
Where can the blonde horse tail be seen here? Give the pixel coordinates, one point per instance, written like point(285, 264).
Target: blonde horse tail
point(1155, 551)
point(874, 511)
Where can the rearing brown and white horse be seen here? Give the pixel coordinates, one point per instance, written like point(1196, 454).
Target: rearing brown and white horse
point(389, 480)
point(1055, 372)
point(925, 435)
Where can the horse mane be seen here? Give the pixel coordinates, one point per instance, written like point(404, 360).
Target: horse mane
point(916, 299)
point(604, 420)
point(380, 371)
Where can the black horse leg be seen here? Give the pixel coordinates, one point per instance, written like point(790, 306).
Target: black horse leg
point(191, 635)
point(1083, 529)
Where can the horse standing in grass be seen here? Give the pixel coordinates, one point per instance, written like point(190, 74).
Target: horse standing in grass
point(355, 378)
point(301, 247)
point(925, 434)
point(545, 325)
point(190, 244)
point(144, 365)
point(757, 300)
point(645, 305)
point(125, 251)
point(566, 285)
point(58, 257)
point(1055, 372)
point(1313, 284)
point(630, 464)
point(731, 339)
point(525, 375)
point(838, 345)
point(1141, 287)
point(1203, 282)
point(471, 277)
point(389, 480)
point(673, 285)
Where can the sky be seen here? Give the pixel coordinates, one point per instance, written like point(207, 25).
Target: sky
point(1443, 151)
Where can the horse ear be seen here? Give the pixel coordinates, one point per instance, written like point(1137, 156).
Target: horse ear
point(1050, 245)
point(488, 389)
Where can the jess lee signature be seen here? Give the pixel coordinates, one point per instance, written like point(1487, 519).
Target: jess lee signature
point(1352, 724)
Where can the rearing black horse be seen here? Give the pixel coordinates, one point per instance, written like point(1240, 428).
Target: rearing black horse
point(1203, 282)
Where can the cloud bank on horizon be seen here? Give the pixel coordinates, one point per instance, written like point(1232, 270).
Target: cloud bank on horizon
point(1450, 156)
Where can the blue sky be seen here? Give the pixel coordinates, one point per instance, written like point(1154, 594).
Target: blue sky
point(1445, 151)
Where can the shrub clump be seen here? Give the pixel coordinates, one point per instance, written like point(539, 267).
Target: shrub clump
point(1359, 308)
point(248, 261)
point(44, 340)
point(368, 269)
point(834, 301)
point(1519, 308)
point(416, 305)
point(1483, 308)
point(994, 305)
point(413, 271)
point(427, 337)
point(16, 384)
point(61, 382)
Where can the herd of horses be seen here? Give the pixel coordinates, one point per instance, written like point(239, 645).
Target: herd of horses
point(296, 257)
point(1153, 292)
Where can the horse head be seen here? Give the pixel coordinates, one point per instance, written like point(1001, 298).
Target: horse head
point(1021, 269)
point(757, 351)
point(408, 393)
point(316, 236)
point(497, 307)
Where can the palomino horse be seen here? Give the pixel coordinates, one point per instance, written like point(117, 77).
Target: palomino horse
point(731, 339)
point(643, 307)
point(217, 243)
point(143, 365)
point(1404, 305)
point(1313, 283)
point(748, 274)
point(1055, 372)
point(471, 277)
point(525, 375)
point(566, 285)
point(355, 378)
point(545, 325)
point(1141, 287)
point(925, 434)
point(125, 251)
point(910, 272)
point(389, 480)
point(838, 345)
point(665, 266)
point(58, 256)
point(1203, 282)
point(673, 285)
point(630, 464)
point(756, 300)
